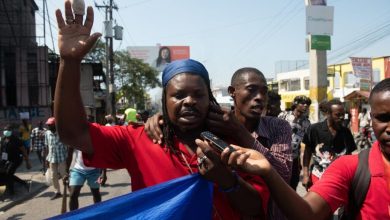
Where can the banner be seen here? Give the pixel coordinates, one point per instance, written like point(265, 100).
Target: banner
point(188, 197)
point(362, 67)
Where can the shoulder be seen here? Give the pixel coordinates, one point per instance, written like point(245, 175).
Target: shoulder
point(273, 120)
point(275, 125)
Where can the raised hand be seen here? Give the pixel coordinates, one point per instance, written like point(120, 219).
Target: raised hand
point(74, 39)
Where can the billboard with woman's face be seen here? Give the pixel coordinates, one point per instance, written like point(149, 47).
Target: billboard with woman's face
point(159, 56)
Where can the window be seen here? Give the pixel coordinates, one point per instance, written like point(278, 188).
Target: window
point(283, 86)
point(352, 81)
point(10, 78)
point(32, 74)
point(295, 85)
point(307, 83)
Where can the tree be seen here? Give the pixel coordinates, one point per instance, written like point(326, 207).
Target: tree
point(97, 54)
point(134, 78)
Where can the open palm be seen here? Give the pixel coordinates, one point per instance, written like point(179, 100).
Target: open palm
point(74, 39)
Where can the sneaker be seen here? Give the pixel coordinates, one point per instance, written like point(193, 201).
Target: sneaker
point(55, 196)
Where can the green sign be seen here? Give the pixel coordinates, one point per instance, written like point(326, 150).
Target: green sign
point(320, 42)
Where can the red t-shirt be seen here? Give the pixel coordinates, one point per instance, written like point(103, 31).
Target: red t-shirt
point(335, 183)
point(149, 164)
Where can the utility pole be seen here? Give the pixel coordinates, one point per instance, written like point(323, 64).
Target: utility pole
point(110, 81)
point(318, 75)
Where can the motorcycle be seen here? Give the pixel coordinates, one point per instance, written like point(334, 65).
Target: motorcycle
point(364, 138)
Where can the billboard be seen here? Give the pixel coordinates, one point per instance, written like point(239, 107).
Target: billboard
point(319, 20)
point(362, 67)
point(159, 56)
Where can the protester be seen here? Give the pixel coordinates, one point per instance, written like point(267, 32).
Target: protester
point(56, 156)
point(246, 126)
point(333, 189)
point(273, 104)
point(25, 132)
point(12, 154)
point(38, 144)
point(326, 141)
point(186, 97)
point(299, 122)
point(323, 110)
point(364, 120)
point(78, 174)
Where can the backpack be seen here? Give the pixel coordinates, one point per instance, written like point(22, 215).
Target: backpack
point(359, 188)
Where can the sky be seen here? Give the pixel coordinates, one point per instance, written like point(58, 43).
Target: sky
point(226, 35)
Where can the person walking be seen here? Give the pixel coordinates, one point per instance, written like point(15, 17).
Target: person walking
point(299, 122)
point(326, 141)
point(78, 175)
point(12, 154)
point(56, 156)
point(38, 144)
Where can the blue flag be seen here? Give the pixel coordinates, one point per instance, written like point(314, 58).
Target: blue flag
point(188, 197)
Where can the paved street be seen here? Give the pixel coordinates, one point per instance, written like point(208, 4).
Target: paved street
point(40, 206)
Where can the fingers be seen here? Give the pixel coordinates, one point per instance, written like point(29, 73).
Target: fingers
point(79, 19)
point(89, 19)
point(90, 42)
point(153, 129)
point(60, 20)
point(69, 18)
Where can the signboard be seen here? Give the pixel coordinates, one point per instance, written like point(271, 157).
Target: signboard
point(159, 56)
point(362, 67)
point(319, 20)
point(365, 85)
point(320, 42)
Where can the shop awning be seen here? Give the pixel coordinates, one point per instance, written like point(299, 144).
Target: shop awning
point(357, 95)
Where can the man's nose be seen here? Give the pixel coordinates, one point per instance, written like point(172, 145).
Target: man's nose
point(189, 101)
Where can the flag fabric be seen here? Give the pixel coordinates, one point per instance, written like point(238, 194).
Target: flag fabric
point(188, 197)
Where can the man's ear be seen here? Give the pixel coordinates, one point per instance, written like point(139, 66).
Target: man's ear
point(231, 91)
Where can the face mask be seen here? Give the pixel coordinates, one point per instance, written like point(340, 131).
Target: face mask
point(7, 133)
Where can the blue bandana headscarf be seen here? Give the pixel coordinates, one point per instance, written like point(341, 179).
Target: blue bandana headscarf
point(184, 66)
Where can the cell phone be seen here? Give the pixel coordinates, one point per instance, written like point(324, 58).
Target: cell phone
point(217, 143)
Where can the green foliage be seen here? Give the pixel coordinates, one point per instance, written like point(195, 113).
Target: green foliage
point(134, 78)
point(97, 54)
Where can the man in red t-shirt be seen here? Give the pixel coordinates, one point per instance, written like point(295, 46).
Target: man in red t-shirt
point(333, 189)
point(186, 99)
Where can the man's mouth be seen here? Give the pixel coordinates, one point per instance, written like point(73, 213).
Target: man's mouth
point(257, 108)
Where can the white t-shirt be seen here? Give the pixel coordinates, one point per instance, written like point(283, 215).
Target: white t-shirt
point(364, 120)
point(78, 161)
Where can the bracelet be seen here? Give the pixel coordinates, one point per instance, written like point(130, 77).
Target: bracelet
point(235, 186)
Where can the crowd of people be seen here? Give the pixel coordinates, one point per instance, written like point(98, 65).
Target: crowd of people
point(273, 150)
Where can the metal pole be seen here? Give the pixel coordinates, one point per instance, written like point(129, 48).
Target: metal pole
point(111, 57)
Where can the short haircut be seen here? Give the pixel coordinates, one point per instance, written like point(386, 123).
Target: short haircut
point(237, 75)
point(382, 86)
point(333, 102)
point(273, 97)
